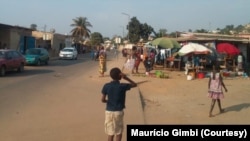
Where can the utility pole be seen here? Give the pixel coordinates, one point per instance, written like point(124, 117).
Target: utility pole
point(44, 28)
point(44, 35)
point(128, 22)
point(122, 31)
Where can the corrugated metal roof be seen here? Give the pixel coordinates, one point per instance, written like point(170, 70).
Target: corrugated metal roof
point(213, 37)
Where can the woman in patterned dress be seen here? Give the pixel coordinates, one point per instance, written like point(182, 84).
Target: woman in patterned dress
point(102, 62)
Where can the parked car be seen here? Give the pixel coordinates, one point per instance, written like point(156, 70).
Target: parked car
point(68, 53)
point(37, 56)
point(11, 60)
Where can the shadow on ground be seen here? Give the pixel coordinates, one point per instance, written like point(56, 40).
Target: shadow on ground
point(237, 107)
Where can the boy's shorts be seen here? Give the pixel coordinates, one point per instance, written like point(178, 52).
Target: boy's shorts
point(113, 122)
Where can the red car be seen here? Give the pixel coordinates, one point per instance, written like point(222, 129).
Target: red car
point(11, 60)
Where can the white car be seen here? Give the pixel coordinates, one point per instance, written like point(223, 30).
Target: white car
point(68, 53)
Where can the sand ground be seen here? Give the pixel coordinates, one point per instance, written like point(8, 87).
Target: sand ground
point(176, 100)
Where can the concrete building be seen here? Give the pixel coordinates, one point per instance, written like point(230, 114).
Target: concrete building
point(22, 38)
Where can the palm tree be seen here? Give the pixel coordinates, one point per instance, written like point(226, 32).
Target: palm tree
point(80, 29)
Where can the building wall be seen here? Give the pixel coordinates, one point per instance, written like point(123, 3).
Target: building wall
point(51, 41)
point(10, 36)
point(58, 42)
point(14, 40)
point(4, 38)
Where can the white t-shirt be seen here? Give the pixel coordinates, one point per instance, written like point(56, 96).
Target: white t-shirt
point(239, 59)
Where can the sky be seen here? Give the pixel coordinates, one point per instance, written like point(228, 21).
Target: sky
point(110, 17)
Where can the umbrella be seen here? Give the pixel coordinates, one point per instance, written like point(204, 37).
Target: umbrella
point(194, 48)
point(227, 48)
point(166, 43)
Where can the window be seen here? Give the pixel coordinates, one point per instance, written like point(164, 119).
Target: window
point(15, 54)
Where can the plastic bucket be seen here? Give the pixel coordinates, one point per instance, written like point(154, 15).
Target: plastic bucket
point(200, 75)
point(189, 77)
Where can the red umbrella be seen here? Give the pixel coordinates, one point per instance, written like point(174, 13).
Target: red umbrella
point(227, 48)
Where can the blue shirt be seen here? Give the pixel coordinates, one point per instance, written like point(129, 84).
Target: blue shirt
point(116, 93)
point(196, 61)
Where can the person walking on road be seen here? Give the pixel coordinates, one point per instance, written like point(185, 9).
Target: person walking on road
point(137, 56)
point(114, 95)
point(147, 65)
point(215, 91)
point(102, 62)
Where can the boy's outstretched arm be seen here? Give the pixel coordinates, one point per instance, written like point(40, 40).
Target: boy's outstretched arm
point(132, 83)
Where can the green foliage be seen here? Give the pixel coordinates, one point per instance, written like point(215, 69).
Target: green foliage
point(81, 28)
point(146, 30)
point(138, 30)
point(227, 30)
point(105, 38)
point(134, 30)
point(96, 39)
point(173, 35)
point(161, 74)
point(201, 31)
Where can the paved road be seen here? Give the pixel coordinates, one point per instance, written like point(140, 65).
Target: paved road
point(59, 103)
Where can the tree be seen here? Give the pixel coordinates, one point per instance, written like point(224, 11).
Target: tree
point(174, 34)
point(246, 28)
point(81, 28)
point(96, 39)
point(138, 30)
point(146, 30)
point(134, 29)
point(227, 30)
point(33, 26)
point(105, 38)
point(201, 31)
point(163, 32)
point(239, 28)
